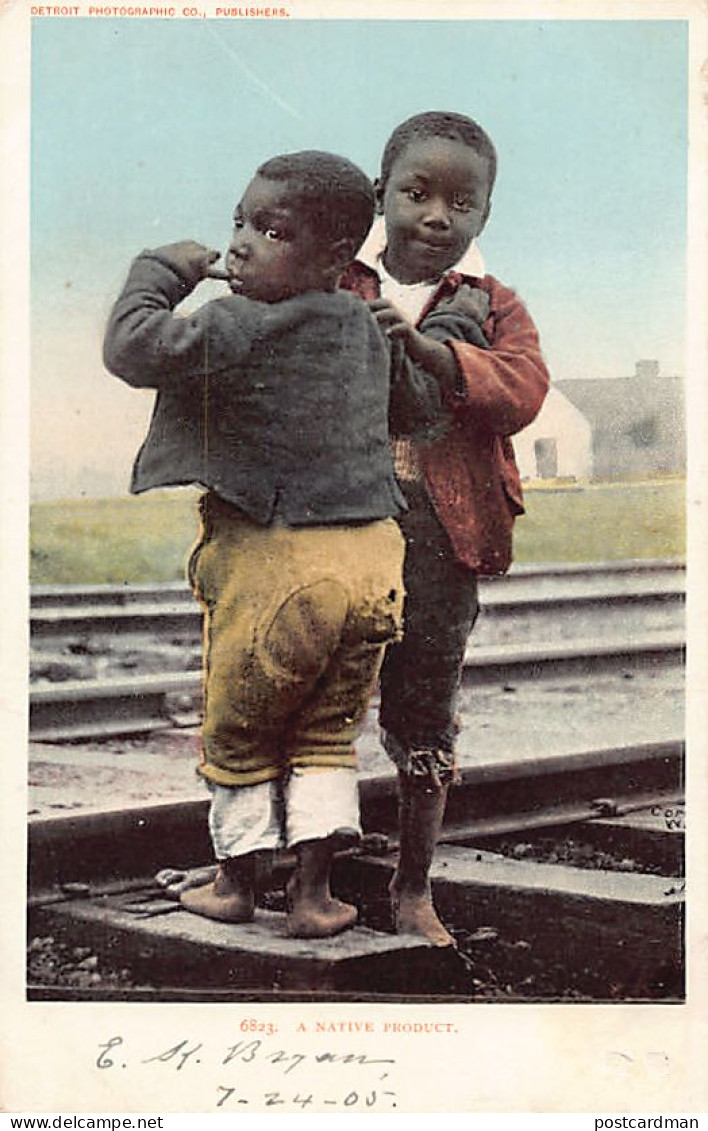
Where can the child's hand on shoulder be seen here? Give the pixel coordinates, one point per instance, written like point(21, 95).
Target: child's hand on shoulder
point(395, 326)
point(190, 259)
point(433, 356)
point(390, 319)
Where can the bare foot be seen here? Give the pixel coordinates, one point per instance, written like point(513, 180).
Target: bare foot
point(414, 914)
point(174, 881)
point(317, 916)
point(223, 899)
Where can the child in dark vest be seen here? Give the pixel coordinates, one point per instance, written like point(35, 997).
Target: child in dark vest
point(275, 400)
point(476, 376)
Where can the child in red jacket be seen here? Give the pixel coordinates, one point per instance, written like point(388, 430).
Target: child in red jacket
point(475, 375)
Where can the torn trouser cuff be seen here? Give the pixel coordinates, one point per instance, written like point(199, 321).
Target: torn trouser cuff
point(420, 762)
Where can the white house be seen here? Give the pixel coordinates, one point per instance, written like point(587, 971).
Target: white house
point(558, 444)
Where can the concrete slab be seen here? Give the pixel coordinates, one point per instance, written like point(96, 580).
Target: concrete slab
point(177, 948)
point(629, 925)
point(656, 835)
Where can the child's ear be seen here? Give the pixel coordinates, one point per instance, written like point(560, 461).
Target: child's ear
point(343, 251)
point(379, 195)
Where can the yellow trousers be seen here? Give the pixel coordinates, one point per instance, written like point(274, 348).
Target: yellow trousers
point(296, 623)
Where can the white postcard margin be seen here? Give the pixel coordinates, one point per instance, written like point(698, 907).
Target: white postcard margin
point(434, 1058)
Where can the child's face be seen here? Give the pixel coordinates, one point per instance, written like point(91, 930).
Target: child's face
point(435, 202)
point(273, 255)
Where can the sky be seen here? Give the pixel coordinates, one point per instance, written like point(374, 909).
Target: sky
point(147, 131)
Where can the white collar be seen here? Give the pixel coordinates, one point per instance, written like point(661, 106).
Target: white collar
point(374, 246)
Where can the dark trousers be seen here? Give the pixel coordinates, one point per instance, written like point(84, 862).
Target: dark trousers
point(421, 675)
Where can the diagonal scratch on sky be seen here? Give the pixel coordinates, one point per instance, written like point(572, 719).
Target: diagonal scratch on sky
point(254, 77)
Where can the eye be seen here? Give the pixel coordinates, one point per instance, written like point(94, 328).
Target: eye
point(416, 195)
point(238, 223)
point(273, 233)
point(462, 203)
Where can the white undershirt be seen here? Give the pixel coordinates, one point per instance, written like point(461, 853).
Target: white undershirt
point(409, 298)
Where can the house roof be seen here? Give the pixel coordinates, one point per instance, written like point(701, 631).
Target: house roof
point(614, 400)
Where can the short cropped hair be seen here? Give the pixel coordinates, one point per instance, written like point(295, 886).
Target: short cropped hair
point(332, 194)
point(438, 123)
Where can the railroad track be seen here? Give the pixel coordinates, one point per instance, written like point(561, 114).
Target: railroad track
point(615, 930)
point(506, 876)
point(61, 614)
point(91, 644)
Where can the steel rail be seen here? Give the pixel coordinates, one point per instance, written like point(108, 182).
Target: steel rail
point(538, 621)
point(181, 620)
point(88, 708)
point(92, 883)
point(60, 612)
point(116, 844)
point(518, 575)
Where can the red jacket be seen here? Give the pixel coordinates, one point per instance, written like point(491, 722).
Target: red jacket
point(471, 472)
